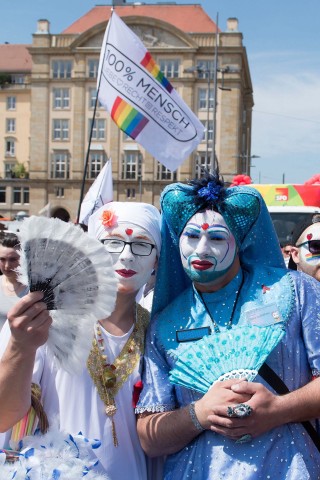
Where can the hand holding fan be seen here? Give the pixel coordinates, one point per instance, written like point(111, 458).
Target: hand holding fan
point(235, 353)
point(75, 273)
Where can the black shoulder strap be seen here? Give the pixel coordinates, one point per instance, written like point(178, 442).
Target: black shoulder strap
point(280, 387)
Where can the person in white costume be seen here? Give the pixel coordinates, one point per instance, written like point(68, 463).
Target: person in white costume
point(100, 401)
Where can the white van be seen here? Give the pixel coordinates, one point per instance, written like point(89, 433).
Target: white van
point(285, 219)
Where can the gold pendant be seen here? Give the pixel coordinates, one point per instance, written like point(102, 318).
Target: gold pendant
point(110, 411)
point(109, 379)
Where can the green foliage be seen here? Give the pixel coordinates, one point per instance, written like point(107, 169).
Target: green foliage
point(20, 171)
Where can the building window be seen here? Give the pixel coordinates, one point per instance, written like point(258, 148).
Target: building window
point(10, 125)
point(202, 162)
point(60, 165)
point(97, 161)
point(18, 78)
point(59, 191)
point(92, 98)
point(208, 130)
point(98, 130)
point(61, 68)
point(203, 98)
point(204, 67)
point(93, 66)
point(10, 147)
point(61, 98)
point(11, 103)
point(60, 130)
point(8, 170)
point(131, 193)
point(131, 165)
point(170, 68)
point(2, 195)
point(163, 173)
point(20, 195)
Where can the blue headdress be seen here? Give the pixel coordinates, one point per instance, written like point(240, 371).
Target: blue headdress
point(243, 210)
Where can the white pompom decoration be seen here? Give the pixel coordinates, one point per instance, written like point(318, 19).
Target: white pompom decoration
point(53, 456)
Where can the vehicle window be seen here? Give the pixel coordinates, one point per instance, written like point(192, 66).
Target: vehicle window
point(285, 223)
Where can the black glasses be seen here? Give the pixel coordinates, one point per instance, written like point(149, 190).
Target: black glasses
point(137, 248)
point(313, 246)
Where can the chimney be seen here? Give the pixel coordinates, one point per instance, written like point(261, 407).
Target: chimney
point(232, 25)
point(43, 26)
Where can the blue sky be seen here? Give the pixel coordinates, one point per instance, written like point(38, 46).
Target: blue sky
point(282, 42)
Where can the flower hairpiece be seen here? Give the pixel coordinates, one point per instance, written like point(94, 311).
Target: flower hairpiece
point(108, 218)
point(210, 192)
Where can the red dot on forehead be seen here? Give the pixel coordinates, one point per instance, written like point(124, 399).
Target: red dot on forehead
point(205, 226)
point(309, 236)
point(129, 231)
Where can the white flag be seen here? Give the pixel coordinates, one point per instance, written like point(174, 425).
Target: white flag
point(45, 211)
point(140, 99)
point(100, 193)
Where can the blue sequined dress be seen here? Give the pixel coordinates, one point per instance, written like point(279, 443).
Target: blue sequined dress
point(284, 453)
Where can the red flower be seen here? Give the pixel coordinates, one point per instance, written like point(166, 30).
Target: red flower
point(108, 218)
point(137, 389)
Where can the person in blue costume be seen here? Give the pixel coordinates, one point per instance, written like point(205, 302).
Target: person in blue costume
point(224, 301)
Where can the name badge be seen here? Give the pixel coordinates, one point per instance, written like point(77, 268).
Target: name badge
point(264, 316)
point(192, 334)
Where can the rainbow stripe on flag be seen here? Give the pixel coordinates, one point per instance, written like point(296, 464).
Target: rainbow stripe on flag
point(149, 64)
point(128, 118)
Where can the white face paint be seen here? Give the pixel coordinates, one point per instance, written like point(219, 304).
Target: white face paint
point(207, 247)
point(309, 261)
point(133, 271)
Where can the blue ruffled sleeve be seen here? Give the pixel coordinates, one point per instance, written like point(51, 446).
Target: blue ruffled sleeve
point(158, 393)
point(308, 292)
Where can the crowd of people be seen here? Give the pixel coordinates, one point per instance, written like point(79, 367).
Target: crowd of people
point(218, 377)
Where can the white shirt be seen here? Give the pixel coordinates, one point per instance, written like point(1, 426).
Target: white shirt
point(76, 399)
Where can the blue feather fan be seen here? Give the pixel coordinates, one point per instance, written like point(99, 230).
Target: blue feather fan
point(235, 353)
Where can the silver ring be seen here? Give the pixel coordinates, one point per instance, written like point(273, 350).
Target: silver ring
point(242, 410)
point(245, 438)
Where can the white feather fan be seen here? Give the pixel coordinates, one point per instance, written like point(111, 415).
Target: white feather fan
point(75, 273)
point(235, 353)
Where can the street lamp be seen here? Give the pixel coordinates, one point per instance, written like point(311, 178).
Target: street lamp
point(247, 158)
point(247, 164)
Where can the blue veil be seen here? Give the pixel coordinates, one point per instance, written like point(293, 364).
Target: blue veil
point(245, 213)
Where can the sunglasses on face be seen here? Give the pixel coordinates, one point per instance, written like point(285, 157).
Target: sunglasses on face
point(313, 246)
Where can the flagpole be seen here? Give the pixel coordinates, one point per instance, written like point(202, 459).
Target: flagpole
point(215, 79)
point(90, 139)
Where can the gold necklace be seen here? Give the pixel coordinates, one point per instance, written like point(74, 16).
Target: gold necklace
point(110, 377)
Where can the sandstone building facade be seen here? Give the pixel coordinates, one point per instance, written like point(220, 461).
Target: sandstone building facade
point(47, 105)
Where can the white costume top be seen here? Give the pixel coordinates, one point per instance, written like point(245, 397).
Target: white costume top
point(8, 301)
point(76, 399)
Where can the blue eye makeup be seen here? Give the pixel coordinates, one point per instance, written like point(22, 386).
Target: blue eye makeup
point(192, 232)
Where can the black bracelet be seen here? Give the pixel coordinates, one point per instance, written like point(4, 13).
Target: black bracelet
point(194, 418)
